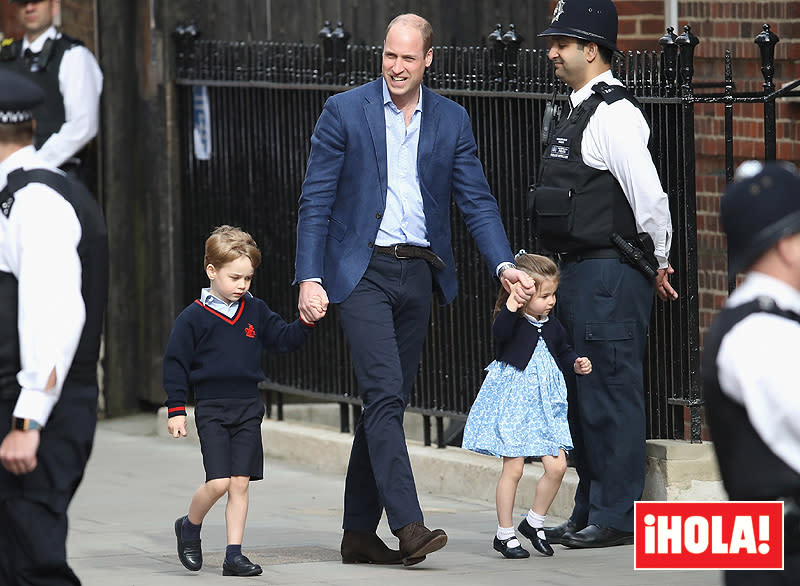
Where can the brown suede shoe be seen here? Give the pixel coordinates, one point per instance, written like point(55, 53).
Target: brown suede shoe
point(361, 547)
point(417, 541)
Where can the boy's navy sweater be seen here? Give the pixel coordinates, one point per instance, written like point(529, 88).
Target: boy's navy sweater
point(220, 357)
point(516, 338)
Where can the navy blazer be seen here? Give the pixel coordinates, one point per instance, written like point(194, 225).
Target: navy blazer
point(344, 192)
point(516, 338)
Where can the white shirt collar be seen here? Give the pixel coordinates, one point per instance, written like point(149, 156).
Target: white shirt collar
point(38, 44)
point(25, 158)
point(578, 96)
point(758, 284)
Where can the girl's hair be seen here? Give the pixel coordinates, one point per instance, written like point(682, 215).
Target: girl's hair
point(537, 267)
point(228, 243)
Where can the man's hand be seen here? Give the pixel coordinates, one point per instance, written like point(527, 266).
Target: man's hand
point(663, 289)
point(312, 297)
point(18, 451)
point(177, 426)
point(526, 288)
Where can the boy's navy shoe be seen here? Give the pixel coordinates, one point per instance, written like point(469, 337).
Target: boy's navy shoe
point(240, 566)
point(515, 552)
point(531, 533)
point(189, 552)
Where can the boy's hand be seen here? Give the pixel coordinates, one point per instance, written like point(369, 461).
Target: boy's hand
point(177, 426)
point(513, 304)
point(583, 365)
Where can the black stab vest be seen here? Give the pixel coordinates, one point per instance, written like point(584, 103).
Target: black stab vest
point(50, 115)
point(598, 204)
point(750, 469)
point(93, 253)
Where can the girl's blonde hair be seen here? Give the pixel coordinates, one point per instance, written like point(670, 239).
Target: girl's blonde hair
point(228, 243)
point(537, 267)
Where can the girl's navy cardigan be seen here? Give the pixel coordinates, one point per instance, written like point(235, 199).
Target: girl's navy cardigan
point(516, 338)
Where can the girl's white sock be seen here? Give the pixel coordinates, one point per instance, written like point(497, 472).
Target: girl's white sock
point(534, 520)
point(504, 533)
point(537, 522)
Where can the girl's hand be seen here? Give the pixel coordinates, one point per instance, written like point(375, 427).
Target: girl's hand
point(513, 304)
point(318, 307)
point(583, 365)
point(177, 426)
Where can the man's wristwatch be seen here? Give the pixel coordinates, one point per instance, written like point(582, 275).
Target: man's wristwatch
point(24, 424)
point(504, 266)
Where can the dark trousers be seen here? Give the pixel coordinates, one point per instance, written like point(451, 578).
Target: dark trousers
point(33, 507)
point(605, 307)
point(385, 320)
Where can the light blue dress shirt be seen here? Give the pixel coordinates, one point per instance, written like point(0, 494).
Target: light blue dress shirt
point(210, 300)
point(403, 220)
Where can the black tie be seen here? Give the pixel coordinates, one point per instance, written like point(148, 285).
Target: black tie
point(31, 59)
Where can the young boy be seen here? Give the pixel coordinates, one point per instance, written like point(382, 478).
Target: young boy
point(215, 349)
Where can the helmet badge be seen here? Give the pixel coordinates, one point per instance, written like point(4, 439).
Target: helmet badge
point(559, 10)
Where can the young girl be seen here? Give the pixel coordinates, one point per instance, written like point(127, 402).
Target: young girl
point(521, 409)
point(215, 349)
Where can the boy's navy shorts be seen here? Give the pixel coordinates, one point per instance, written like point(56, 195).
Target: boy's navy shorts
point(230, 437)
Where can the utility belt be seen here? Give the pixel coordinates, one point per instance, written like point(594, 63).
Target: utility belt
point(578, 256)
point(405, 251)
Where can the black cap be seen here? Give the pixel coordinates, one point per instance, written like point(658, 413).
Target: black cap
point(18, 97)
point(590, 20)
point(759, 208)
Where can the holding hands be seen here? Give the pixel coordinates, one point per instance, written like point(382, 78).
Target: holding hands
point(313, 301)
point(518, 284)
point(582, 365)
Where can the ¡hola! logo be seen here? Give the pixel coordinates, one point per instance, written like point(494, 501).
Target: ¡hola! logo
point(708, 535)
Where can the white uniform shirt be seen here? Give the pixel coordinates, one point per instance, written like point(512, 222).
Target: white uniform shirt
point(81, 83)
point(615, 140)
point(39, 246)
point(756, 361)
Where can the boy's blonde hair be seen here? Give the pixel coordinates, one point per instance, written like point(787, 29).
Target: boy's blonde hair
point(537, 267)
point(227, 243)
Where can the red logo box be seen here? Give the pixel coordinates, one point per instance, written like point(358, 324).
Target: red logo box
point(726, 535)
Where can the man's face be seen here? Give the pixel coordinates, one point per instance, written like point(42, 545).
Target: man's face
point(568, 60)
point(404, 63)
point(37, 17)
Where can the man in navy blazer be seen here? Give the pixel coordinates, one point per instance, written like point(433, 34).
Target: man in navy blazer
point(373, 236)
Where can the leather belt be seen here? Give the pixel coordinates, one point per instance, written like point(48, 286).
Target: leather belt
point(580, 255)
point(402, 251)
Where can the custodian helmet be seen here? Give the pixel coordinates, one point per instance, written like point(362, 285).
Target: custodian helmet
point(590, 20)
point(759, 208)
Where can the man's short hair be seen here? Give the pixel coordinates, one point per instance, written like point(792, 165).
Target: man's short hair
point(417, 22)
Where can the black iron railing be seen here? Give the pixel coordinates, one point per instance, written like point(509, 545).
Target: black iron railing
point(263, 101)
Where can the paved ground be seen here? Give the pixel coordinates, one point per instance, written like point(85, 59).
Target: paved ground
point(137, 485)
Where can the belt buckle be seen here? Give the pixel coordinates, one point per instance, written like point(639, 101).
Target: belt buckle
point(396, 255)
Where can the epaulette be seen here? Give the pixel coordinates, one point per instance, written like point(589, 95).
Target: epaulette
point(611, 93)
point(72, 41)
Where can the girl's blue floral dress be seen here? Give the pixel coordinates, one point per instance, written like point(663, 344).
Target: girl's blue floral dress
point(520, 413)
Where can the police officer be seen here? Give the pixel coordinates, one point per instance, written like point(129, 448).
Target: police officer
point(597, 180)
point(71, 79)
point(53, 283)
point(751, 391)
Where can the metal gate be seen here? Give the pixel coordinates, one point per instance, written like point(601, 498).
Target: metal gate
point(247, 112)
